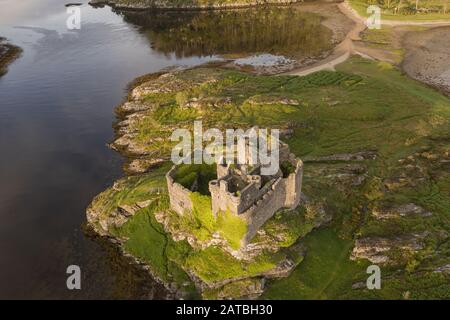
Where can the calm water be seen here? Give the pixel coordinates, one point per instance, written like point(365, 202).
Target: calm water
point(277, 30)
point(56, 111)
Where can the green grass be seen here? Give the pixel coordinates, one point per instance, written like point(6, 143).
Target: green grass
point(286, 227)
point(202, 223)
point(339, 111)
point(287, 168)
point(418, 285)
point(200, 174)
point(407, 10)
point(383, 39)
point(147, 241)
point(203, 215)
point(232, 228)
point(213, 264)
point(132, 189)
point(324, 273)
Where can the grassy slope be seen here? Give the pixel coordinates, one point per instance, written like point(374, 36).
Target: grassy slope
point(324, 273)
point(364, 106)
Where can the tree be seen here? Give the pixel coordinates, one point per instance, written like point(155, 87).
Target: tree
point(399, 5)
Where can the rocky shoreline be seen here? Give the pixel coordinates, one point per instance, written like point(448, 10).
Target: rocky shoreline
point(100, 235)
point(427, 57)
point(174, 5)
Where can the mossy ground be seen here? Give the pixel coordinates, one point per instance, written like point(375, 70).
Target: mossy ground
point(364, 105)
point(199, 174)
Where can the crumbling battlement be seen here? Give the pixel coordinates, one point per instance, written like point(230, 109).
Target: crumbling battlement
point(242, 191)
point(282, 193)
point(260, 198)
point(180, 199)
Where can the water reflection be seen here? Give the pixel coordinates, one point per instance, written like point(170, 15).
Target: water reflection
point(56, 115)
point(277, 30)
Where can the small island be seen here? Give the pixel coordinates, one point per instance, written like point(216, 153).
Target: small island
point(8, 53)
point(362, 200)
point(230, 227)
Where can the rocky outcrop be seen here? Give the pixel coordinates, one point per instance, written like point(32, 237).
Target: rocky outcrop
point(377, 250)
point(418, 168)
point(207, 102)
point(340, 176)
point(259, 100)
point(143, 165)
point(443, 269)
point(244, 289)
point(358, 156)
point(101, 223)
point(249, 287)
point(406, 210)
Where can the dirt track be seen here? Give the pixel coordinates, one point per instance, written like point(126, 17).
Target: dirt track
point(343, 50)
point(427, 53)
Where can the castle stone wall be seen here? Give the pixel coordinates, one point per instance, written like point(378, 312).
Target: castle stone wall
point(253, 203)
point(294, 186)
point(248, 196)
point(284, 193)
point(222, 171)
point(180, 199)
point(264, 209)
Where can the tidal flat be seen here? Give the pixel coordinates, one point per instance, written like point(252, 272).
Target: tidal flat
point(420, 51)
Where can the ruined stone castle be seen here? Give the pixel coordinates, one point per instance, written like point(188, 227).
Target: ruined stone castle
point(243, 191)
